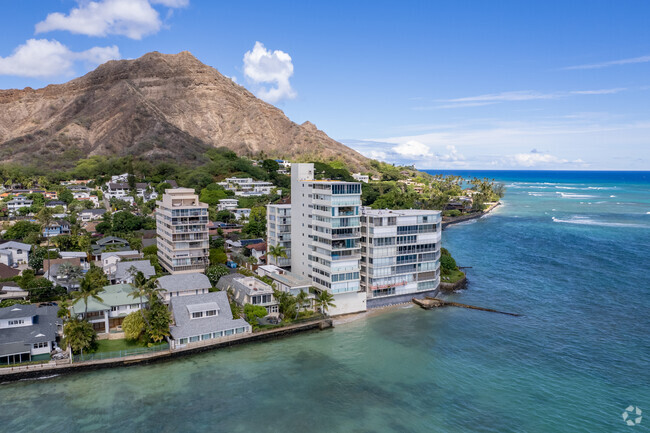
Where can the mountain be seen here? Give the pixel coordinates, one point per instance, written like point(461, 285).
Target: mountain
point(157, 107)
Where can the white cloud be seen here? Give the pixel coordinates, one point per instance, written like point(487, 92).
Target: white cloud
point(172, 3)
point(529, 95)
point(452, 154)
point(377, 154)
point(261, 66)
point(413, 149)
point(131, 18)
point(535, 159)
point(642, 59)
point(49, 58)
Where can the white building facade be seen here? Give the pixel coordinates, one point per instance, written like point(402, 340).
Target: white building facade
point(278, 218)
point(182, 231)
point(400, 254)
point(326, 235)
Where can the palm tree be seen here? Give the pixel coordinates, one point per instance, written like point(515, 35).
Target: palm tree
point(276, 251)
point(45, 217)
point(324, 300)
point(86, 291)
point(252, 261)
point(301, 298)
point(72, 273)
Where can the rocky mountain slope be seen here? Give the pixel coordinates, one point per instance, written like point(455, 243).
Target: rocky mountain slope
point(158, 107)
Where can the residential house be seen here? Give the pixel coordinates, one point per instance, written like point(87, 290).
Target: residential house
point(121, 191)
point(28, 333)
point(361, 177)
point(121, 272)
point(174, 286)
point(247, 186)
point(87, 215)
point(53, 273)
point(18, 202)
point(258, 251)
point(110, 243)
point(112, 258)
point(109, 313)
point(284, 280)
point(14, 253)
point(52, 204)
point(228, 204)
point(242, 213)
point(56, 228)
point(80, 255)
point(202, 318)
point(7, 272)
point(238, 246)
point(249, 290)
point(11, 290)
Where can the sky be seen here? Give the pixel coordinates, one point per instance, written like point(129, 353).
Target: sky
point(439, 84)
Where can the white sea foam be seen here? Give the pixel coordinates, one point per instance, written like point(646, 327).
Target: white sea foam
point(572, 195)
point(612, 196)
point(590, 222)
point(647, 213)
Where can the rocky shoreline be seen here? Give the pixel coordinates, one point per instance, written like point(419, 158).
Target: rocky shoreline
point(446, 221)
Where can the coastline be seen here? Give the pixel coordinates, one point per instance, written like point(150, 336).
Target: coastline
point(469, 217)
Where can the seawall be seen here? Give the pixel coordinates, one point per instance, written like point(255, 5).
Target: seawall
point(8, 374)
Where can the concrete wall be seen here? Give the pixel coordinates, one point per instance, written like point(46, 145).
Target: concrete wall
point(399, 299)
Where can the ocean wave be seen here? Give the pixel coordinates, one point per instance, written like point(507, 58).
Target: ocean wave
point(573, 195)
point(612, 196)
point(590, 222)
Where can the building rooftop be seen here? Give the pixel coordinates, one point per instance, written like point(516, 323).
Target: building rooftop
point(18, 339)
point(112, 296)
point(398, 212)
point(185, 327)
point(184, 282)
point(15, 245)
point(123, 269)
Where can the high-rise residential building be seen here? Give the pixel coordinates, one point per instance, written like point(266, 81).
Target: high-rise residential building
point(365, 257)
point(400, 252)
point(181, 226)
point(325, 236)
point(278, 220)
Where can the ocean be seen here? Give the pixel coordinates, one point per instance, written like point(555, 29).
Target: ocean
point(570, 251)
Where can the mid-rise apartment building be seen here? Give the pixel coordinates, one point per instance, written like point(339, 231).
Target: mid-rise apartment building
point(400, 252)
point(182, 229)
point(278, 217)
point(325, 236)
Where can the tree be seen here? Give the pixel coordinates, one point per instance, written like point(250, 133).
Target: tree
point(215, 272)
point(276, 251)
point(87, 290)
point(159, 320)
point(134, 326)
point(270, 165)
point(64, 310)
point(256, 226)
point(301, 298)
point(21, 230)
point(66, 196)
point(324, 300)
point(72, 273)
point(254, 312)
point(447, 264)
point(286, 303)
point(79, 335)
point(9, 302)
point(217, 256)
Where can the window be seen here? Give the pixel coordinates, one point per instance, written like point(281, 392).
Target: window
point(229, 332)
point(217, 334)
point(16, 322)
point(240, 330)
point(182, 341)
point(194, 339)
point(197, 315)
point(40, 345)
point(205, 336)
point(210, 313)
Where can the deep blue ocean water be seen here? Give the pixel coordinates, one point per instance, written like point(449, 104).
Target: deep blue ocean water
point(568, 250)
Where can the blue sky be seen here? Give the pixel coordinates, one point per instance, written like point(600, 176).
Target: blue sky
point(454, 84)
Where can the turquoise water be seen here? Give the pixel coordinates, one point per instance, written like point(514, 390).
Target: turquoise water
point(562, 251)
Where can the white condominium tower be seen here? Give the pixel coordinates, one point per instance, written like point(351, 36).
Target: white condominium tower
point(278, 220)
point(400, 254)
point(325, 236)
point(181, 226)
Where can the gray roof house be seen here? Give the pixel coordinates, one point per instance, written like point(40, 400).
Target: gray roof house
point(183, 285)
point(27, 333)
point(12, 253)
point(122, 274)
point(203, 317)
point(249, 290)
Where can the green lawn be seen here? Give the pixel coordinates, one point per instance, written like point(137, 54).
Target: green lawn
point(116, 345)
point(451, 277)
